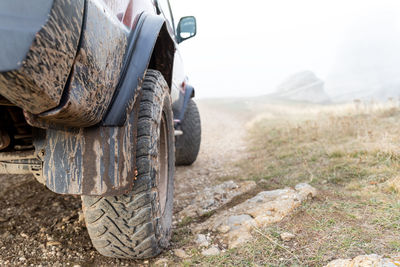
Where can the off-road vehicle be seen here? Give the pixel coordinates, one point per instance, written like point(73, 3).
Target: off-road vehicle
point(93, 101)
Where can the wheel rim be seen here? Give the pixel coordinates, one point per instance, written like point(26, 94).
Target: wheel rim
point(162, 177)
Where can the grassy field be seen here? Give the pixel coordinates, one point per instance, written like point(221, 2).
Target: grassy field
point(351, 154)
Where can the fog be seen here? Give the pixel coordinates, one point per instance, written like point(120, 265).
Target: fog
point(249, 48)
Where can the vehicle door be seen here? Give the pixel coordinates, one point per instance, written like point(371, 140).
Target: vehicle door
point(178, 76)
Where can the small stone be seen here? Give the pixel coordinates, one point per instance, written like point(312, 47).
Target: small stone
point(53, 243)
point(230, 185)
point(81, 218)
point(161, 262)
point(213, 251)
point(306, 190)
point(202, 241)
point(287, 236)
point(7, 235)
point(66, 219)
point(223, 229)
point(24, 235)
point(204, 172)
point(22, 259)
point(180, 253)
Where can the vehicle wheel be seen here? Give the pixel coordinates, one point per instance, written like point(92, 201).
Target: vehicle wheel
point(188, 144)
point(137, 225)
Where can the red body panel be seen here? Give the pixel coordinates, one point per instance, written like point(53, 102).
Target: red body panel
point(128, 12)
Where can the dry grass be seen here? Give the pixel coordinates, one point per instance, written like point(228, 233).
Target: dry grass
point(351, 154)
point(331, 144)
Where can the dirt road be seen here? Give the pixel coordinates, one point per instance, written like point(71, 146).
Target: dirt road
point(223, 133)
point(40, 227)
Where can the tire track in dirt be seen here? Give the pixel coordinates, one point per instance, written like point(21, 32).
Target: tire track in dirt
point(223, 142)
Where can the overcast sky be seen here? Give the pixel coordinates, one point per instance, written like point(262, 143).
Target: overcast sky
point(249, 47)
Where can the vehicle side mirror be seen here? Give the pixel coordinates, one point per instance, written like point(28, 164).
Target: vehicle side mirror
point(186, 28)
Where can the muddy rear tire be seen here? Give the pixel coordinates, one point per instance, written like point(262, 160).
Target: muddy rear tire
point(188, 144)
point(137, 225)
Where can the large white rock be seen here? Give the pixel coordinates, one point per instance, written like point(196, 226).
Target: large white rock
point(213, 251)
point(235, 224)
point(365, 261)
point(303, 86)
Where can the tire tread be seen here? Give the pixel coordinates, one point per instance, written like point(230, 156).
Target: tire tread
point(125, 226)
point(188, 144)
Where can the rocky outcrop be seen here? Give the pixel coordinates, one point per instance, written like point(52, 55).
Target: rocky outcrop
point(234, 225)
point(212, 198)
point(365, 261)
point(303, 86)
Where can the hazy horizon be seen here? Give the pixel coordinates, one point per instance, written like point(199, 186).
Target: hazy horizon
point(248, 50)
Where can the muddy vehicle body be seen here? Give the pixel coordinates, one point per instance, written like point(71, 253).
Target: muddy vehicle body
point(93, 101)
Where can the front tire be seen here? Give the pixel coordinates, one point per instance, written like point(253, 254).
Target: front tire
point(137, 225)
point(188, 144)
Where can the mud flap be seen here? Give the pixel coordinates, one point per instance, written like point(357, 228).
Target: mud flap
point(92, 161)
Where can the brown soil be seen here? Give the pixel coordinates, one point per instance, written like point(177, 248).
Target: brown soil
point(39, 227)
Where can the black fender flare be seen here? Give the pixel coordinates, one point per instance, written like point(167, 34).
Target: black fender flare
point(99, 160)
point(142, 43)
